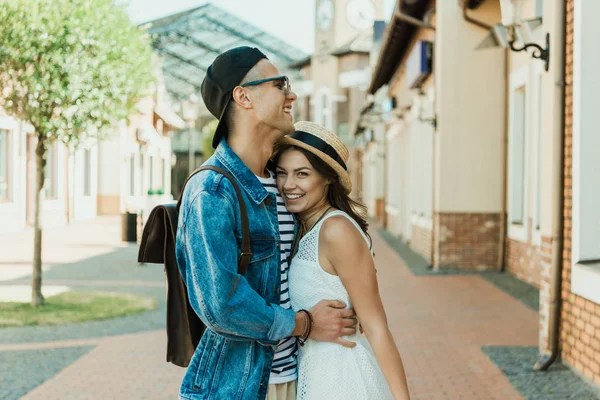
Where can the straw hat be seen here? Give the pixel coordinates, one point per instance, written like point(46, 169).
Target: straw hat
point(325, 145)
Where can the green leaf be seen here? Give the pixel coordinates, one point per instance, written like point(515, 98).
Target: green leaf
point(72, 77)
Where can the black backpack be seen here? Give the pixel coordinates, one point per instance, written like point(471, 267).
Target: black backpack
point(184, 328)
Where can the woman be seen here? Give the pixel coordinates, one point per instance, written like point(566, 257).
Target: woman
point(334, 261)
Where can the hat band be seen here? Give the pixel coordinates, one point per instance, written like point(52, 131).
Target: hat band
point(320, 145)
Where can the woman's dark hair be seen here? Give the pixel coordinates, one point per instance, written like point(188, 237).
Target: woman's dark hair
point(336, 194)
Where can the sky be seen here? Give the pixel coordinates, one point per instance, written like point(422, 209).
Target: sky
point(290, 20)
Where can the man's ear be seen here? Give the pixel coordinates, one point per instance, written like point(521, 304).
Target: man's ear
point(240, 96)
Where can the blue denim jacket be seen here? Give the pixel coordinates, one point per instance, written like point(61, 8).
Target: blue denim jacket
point(242, 313)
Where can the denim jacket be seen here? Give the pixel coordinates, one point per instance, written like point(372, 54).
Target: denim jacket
point(242, 313)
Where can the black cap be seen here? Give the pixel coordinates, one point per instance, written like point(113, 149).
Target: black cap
point(225, 73)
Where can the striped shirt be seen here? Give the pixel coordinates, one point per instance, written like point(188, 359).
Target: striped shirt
point(284, 368)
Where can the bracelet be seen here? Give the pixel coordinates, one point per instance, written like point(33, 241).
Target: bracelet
point(302, 337)
point(307, 327)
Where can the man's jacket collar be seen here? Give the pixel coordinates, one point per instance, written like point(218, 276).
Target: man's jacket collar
point(241, 172)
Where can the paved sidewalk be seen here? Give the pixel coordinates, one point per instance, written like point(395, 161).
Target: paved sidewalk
point(60, 245)
point(120, 358)
point(448, 328)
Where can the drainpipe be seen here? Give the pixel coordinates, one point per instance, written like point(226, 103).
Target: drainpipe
point(558, 171)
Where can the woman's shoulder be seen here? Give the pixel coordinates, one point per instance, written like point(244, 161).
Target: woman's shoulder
point(339, 229)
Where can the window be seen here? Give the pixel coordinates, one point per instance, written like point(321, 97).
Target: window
point(585, 277)
point(518, 156)
point(586, 141)
point(87, 172)
point(50, 174)
point(4, 166)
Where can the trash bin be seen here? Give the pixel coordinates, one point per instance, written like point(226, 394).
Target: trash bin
point(129, 227)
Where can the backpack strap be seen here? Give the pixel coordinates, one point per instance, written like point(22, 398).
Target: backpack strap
point(246, 254)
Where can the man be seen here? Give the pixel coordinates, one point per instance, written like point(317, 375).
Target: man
point(246, 352)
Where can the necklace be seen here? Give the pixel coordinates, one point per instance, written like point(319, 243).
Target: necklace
point(304, 224)
point(303, 231)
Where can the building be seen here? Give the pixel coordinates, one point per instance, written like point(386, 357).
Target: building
point(579, 328)
point(70, 185)
point(484, 158)
point(430, 185)
point(332, 83)
point(140, 176)
point(108, 177)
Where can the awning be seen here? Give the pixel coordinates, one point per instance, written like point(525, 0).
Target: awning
point(168, 115)
point(396, 41)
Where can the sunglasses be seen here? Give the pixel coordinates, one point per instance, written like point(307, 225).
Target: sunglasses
point(286, 88)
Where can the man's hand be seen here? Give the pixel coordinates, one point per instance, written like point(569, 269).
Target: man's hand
point(331, 320)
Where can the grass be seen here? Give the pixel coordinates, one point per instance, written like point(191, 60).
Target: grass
point(70, 307)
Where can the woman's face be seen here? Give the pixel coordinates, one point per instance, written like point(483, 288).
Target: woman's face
point(300, 185)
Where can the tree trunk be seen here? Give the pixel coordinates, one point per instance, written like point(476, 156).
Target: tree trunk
point(37, 299)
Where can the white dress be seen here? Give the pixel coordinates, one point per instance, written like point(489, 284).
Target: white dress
point(329, 371)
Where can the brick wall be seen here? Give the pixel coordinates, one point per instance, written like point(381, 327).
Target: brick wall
point(580, 318)
point(523, 259)
point(467, 240)
point(421, 241)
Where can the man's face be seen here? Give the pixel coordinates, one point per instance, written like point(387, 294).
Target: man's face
point(272, 103)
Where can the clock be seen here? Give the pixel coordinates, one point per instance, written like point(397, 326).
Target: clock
point(361, 14)
point(325, 13)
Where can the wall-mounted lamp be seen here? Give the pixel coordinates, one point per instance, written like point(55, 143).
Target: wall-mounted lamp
point(511, 18)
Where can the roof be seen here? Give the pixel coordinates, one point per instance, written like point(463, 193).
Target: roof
point(396, 40)
point(190, 40)
point(301, 63)
point(361, 44)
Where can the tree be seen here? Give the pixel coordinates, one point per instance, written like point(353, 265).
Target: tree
point(73, 69)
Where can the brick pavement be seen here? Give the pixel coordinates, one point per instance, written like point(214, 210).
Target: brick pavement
point(119, 367)
point(440, 324)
